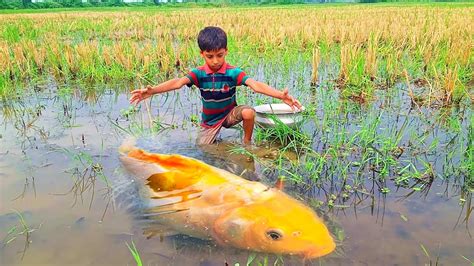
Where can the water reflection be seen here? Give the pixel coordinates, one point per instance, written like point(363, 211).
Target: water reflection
point(25, 188)
point(463, 218)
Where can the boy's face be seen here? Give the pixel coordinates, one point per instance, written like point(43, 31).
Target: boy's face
point(214, 59)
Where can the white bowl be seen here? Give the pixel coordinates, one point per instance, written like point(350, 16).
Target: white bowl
point(281, 111)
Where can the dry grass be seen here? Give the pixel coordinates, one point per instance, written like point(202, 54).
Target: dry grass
point(95, 44)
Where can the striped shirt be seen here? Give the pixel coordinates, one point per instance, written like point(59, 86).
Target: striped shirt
point(217, 91)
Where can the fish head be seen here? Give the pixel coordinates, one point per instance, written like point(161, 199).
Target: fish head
point(280, 225)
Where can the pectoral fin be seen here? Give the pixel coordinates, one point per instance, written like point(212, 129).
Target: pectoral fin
point(162, 181)
point(172, 180)
point(158, 230)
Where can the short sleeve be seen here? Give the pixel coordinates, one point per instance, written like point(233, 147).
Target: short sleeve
point(240, 77)
point(193, 77)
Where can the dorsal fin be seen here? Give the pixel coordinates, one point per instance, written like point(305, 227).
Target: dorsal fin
point(167, 172)
point(167, 161)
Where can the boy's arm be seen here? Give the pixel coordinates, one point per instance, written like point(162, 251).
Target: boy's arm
point(173, 84)
point(263, 88)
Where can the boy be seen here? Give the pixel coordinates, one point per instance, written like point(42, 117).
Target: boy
point(217, 82)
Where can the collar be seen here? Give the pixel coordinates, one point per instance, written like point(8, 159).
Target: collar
point(221, 70)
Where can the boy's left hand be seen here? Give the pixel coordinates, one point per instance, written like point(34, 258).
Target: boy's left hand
point(290, 100)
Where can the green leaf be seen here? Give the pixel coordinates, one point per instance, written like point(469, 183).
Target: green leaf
point(404, 218)
point(251, 258)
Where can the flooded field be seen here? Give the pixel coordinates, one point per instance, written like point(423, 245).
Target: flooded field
point(66, 199)
point(384, 153)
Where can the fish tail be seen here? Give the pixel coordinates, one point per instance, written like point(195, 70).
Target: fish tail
point(128, 144)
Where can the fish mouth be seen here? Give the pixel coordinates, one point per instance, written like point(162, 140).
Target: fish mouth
point(320, 251)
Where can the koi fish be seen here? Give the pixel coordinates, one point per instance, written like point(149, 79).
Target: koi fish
point(205, 202)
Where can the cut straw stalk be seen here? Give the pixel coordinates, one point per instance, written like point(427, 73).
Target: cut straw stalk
point(450, 80)
point(315, 64)
point(370, 66)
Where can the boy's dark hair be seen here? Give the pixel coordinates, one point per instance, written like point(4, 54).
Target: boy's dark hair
point(212, 39)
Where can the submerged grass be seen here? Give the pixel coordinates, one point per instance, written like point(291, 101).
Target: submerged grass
point(84, 173)
point(23, 230)
point(135, 254)
point(390, 142)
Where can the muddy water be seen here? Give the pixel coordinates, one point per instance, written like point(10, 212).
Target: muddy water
point(60, 174)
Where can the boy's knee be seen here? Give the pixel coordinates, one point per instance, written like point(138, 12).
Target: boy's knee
point(248, 113)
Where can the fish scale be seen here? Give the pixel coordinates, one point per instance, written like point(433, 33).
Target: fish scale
point(196, 199)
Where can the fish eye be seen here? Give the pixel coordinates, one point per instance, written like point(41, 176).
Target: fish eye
point(274, 234)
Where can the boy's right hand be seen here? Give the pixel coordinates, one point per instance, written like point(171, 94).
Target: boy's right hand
point(290, 100)
point(141, 94)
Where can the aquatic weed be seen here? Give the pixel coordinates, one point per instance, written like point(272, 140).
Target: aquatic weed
point(135, 254)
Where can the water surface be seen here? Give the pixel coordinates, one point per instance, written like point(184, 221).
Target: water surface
point(60, 172)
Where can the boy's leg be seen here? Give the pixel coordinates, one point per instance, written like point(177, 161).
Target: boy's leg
point(208, 135)
point(243, 113)
point(248, 116)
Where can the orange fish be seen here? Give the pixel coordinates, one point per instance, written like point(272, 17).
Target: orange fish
point(202, 201)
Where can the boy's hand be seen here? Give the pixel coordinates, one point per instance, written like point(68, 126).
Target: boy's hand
point(288, 99)
point(141, 94)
